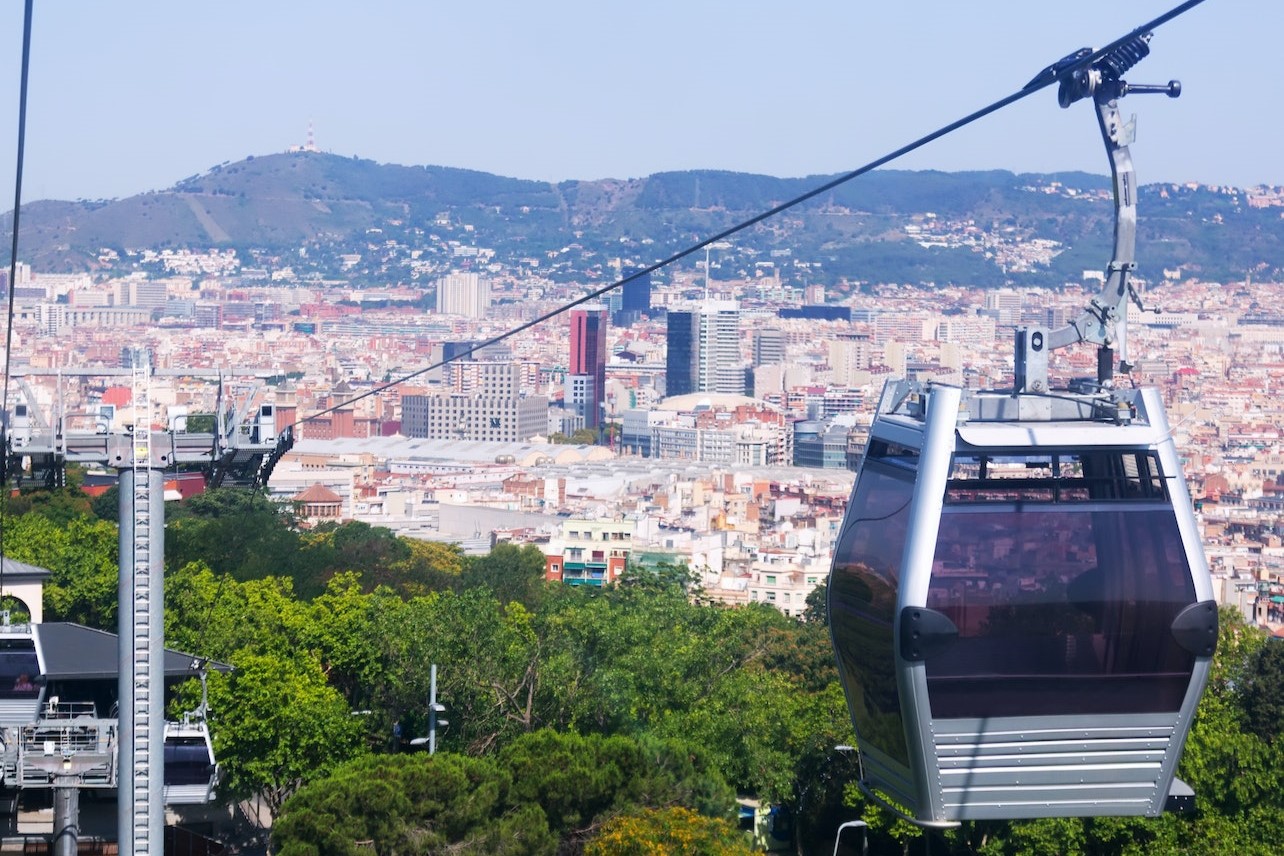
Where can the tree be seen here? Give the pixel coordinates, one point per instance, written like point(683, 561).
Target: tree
point(1263, 692)
point(81, 554)
point(217, 616)
point(577, 780)
point(673, 831)
point(340, 628)
point(428, 566)
point(487, 658)
point(60, 505)
point(543, 793)
point(817, 610)
point(410, 803)
point(512, 573)
point(237, 532)
point(277, 724)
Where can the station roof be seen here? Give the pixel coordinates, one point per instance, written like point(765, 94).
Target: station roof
point(15, 571)
point(75, 652)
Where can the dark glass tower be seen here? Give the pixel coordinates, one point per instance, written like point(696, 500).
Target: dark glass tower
point(683, 337)
point(637, 294)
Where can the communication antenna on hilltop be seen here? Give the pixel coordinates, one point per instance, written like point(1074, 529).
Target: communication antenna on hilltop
point(309, 144)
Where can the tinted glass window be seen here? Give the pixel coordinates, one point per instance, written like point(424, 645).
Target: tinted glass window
point(1060, 609)
point(18, 672)
point(187, 761)
point(862, 604)
point(1056, 476)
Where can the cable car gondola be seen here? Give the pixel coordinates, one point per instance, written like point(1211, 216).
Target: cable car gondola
point(1019, 603)
point(191, 773)
point(21, 680)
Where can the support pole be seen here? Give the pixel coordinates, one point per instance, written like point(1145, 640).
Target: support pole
point(66, 822)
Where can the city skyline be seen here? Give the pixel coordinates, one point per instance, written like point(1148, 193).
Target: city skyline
point(126, 100)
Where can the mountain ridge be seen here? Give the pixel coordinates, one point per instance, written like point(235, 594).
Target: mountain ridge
point(318, 207)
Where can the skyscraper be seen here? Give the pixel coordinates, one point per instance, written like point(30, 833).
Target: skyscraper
point(637, 293)
point(464, 294)
point(704, 349)
point(682, 334)
point(586, 371)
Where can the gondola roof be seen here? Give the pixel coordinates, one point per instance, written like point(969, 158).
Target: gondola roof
point(75, 652)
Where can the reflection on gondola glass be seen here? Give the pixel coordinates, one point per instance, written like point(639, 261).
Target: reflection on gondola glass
point(187, 761)
point(19, 669)
point(1063, 573)
point(862, 604)
point(1052, 619)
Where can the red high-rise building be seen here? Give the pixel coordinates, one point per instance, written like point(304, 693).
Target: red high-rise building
point(586, 374)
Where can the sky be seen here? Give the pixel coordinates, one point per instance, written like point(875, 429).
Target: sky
point(135, 96)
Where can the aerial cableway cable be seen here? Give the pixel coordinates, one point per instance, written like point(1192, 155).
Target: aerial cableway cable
point(1058, 72)
point(13, 267)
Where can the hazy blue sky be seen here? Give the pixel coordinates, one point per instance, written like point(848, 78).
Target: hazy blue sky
point(133, 96)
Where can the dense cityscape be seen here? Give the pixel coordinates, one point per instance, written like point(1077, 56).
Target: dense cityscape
point(704, 420)
point(717, 416)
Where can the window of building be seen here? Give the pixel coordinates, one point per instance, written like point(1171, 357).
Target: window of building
point(771, 579)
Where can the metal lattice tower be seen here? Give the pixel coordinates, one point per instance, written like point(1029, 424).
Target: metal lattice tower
point(141, 661)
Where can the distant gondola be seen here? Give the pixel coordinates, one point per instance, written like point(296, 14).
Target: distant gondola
point(21, 679)
point(191, 773)
point(1019, 603)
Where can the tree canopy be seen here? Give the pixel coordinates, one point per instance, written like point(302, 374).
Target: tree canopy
point(578, 718)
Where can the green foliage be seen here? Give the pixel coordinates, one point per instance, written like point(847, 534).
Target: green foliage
point(667, 832)
point(106, 506)
point(1263, 692)
point(414, 803)
point(277, 724)
point(237, 532)
point(662, 576)
point(817, 611)
point(512, 573)
point(653, 699)
point(486, 657)
point(81, 554)
point(542, 789)
point(217, 616)
point(61, 505)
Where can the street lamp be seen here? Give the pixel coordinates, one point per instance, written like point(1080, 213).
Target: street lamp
point(433, 710)
point(851, 824)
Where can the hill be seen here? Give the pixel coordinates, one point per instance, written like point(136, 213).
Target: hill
point(982, 228)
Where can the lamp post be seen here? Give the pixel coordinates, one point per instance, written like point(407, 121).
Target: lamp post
point(433, 709)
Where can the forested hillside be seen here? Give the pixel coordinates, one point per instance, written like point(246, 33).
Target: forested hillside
point(313, 212)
